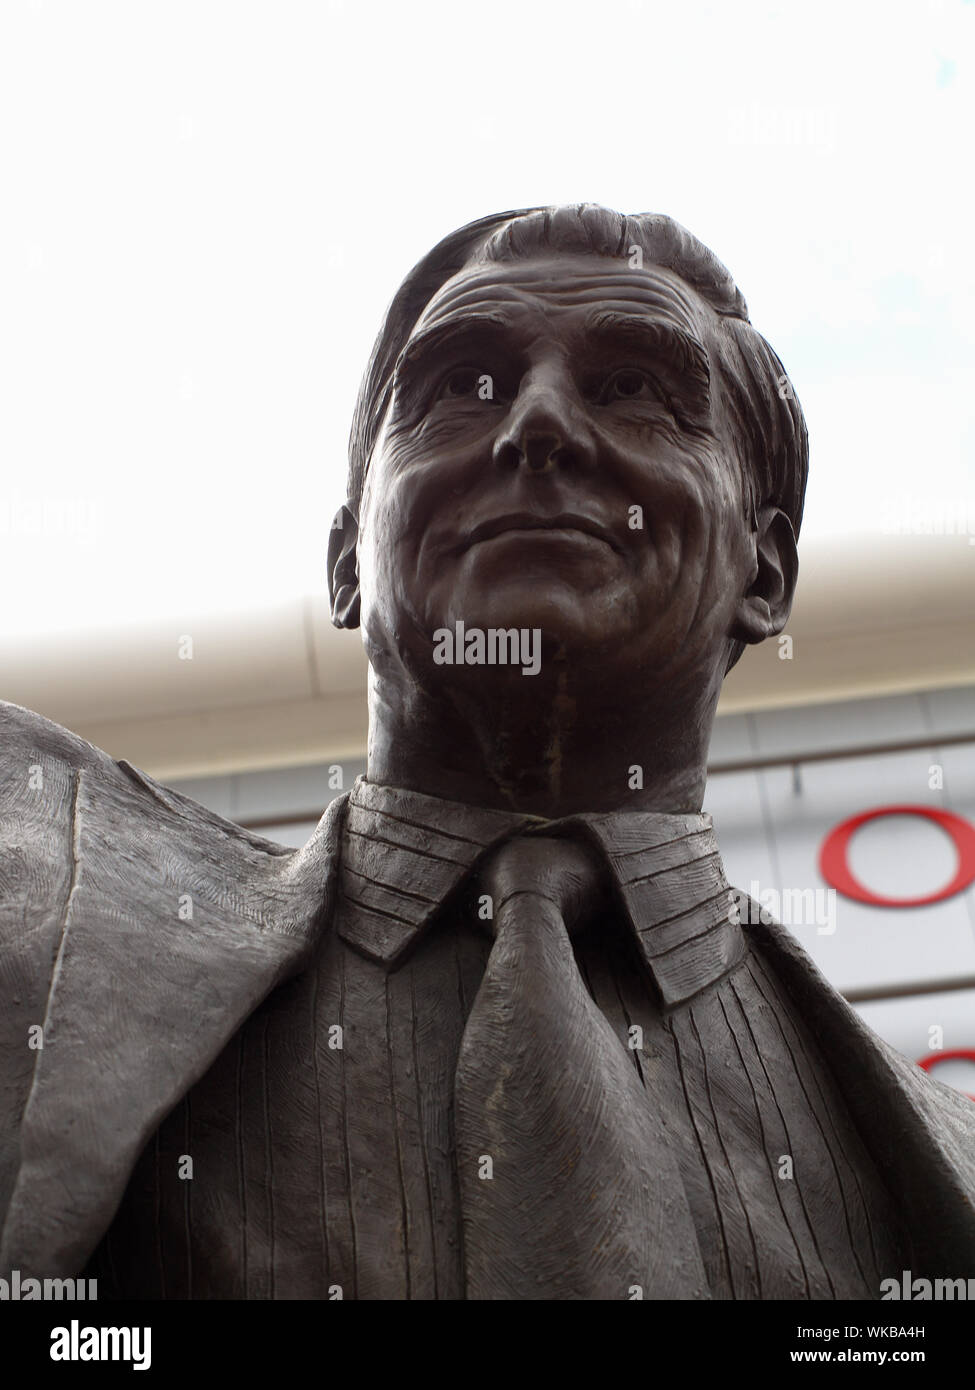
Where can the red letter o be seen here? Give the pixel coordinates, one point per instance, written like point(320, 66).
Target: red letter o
point(964, 1054)
point(836, 871)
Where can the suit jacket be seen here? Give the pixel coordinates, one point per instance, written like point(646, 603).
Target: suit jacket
point(140, 930)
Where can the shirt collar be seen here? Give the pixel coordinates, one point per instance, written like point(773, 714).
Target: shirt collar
point(404, 853)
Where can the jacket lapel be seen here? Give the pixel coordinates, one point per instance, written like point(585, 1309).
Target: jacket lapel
point(178, 925)
point(920, 1133)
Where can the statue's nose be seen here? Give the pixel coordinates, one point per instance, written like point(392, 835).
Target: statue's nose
point(544, 430)
point(541, 450)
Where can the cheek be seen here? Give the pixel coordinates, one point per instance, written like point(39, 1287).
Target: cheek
point(706, 491)
point(418, 468)
point(449, 422)
point(700, 537)
point(388, 504)
point(668, 472)
point(388, 569)
point(442, 439)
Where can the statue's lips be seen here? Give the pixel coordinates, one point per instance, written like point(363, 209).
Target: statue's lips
point(565, 525)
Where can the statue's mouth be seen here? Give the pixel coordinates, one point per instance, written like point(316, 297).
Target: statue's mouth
point(566, 525)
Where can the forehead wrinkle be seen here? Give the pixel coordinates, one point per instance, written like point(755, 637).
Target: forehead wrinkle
point(453, 297)
point(653, 291)
point(455, 322)
point(645, 294)
point(552, 275)
point(689, 347)
point(610, 316)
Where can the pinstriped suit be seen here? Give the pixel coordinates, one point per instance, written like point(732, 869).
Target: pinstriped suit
point(319, 1168)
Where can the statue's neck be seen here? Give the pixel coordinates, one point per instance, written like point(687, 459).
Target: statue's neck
point(542, 753)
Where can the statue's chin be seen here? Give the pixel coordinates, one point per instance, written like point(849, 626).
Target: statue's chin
point(564, 606)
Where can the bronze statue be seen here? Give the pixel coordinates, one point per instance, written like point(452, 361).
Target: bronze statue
point(501, 1029)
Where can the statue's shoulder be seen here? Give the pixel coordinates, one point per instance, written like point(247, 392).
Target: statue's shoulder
point(39, 766)
point(25, 734)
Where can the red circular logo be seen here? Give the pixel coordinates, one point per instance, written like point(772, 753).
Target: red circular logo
point(956, 1054)
point(835, 869)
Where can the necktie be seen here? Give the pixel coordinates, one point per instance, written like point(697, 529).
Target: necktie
point(568, 1187)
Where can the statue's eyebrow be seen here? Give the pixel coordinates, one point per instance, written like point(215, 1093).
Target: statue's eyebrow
point(656, 337)
point(439, 334)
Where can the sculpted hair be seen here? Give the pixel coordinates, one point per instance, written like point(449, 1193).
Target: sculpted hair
point(765, 415)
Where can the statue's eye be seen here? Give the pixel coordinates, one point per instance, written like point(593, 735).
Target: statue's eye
point(629, 384)
point(462, 382)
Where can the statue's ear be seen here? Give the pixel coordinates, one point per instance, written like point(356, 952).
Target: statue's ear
point(764, 608)
point(343, 569)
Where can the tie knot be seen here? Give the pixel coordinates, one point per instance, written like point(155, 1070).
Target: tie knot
point(564, 872)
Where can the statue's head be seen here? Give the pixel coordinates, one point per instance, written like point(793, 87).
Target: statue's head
point(569, 425)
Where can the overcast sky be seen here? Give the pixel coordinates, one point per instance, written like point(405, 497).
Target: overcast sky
point(207, 207)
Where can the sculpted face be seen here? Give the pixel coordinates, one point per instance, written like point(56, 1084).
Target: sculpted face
point(556, 456)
